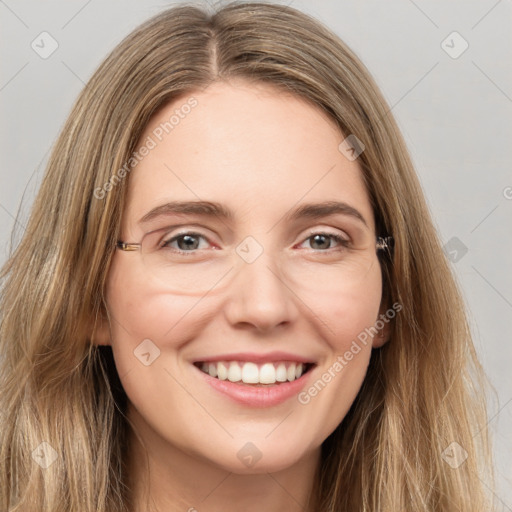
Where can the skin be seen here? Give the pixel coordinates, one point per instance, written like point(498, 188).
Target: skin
point(260, 153)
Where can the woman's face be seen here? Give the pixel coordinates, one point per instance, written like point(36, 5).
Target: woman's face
point(251, 294)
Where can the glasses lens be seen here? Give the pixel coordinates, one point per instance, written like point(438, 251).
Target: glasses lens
point(181, 264)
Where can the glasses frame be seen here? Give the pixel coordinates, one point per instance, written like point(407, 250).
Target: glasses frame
point(382, 243)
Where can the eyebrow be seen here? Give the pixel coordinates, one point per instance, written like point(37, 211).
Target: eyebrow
point(214, 209)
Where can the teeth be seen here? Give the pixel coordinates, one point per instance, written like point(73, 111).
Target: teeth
point(252, 373)
point(281, 374)
point(234, 372)
point(212, 370)
point(267, 374)
point(222, 371)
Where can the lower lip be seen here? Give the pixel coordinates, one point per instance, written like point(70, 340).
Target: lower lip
point(257, 396)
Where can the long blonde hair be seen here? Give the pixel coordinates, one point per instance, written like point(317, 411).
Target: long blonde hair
point(423, 390)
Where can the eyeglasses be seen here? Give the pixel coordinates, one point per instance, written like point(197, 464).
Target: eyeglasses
point(195, 271)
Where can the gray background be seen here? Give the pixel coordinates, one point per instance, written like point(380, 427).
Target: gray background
point(454, 111)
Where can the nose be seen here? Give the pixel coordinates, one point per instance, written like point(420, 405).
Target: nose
point(259, 297)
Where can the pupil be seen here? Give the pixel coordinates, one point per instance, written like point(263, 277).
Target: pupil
point(316, 237)
point(190, 242)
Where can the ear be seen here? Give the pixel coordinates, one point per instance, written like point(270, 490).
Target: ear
point(383, 324)
point(101, 330)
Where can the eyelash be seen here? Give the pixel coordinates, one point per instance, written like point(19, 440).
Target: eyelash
point(345, 244)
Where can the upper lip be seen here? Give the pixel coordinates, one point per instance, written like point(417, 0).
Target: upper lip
point(254, 357)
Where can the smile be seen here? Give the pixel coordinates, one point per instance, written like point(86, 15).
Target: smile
point(268, 373)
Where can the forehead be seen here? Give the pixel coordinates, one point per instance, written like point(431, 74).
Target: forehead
point(257, 150)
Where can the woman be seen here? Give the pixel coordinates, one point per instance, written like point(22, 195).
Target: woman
point(230, 294)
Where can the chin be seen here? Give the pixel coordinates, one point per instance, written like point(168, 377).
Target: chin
point(251, 460)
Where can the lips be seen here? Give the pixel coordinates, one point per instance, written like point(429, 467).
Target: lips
point(256, 369)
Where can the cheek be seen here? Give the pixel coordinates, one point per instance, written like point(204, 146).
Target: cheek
point(353, 314)
point(347, 320)
point(348, 310)
point(148, 327)
point(139, 313)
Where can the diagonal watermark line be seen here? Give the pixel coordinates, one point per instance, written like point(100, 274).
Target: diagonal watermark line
point(332, 332)
point(75, 15)
point(486, 14)
point(111, 316)
point(409, 90)
point(490, 213)
point(198, 301)
point(20, 207)
point(495, 415)
point(36, 169)
point(200, 404)
point(2, 2)
point(492, 81)
point(13, 217)
point(280, 423)
point(286, 491)
point(14, 76)
point(424, 14)
point(305, 194)
point(216, 487)
point(495, 495)
point(493, 287)
point(95, 93)
point(125, 373)
point(184, 184)
point(73, 72)
point(415, 85)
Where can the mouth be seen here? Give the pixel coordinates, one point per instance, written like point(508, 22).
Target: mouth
point(255, 374)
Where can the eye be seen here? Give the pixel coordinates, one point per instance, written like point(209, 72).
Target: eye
point(322, 241)
point(185, 242)
point(190, 242)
